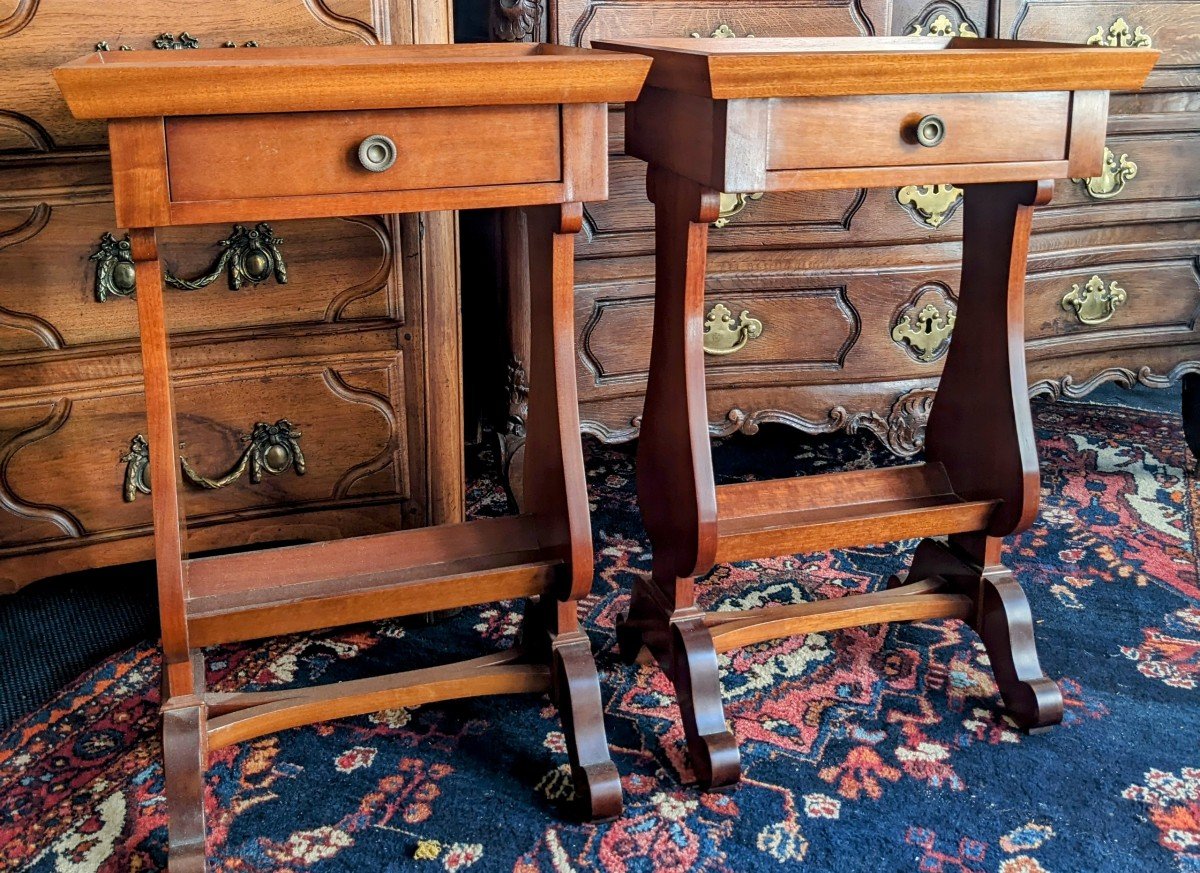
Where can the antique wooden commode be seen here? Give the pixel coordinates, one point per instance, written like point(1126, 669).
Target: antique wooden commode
point(1002, 119)
point(222, 136)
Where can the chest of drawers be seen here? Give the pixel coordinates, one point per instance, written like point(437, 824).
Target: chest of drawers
point(311, 358)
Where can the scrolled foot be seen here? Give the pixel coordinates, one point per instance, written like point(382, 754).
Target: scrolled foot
point(716, 761)
point(577, 692)
point(597, 791)
point(1005, 624)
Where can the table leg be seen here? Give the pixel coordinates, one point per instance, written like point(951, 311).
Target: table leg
point(675, 480)
point(556, 494)
point(184, 760)
point(184, 716)
point(981, 431)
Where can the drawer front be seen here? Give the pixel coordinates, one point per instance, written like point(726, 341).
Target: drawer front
point(72, 467)
point(580, 22)
point(1151, 175)
point(1114, 305)
point(212, 158)
point(35, 38)
point(796, 330)
point(835, 132)
point(75, 278)
point(1172, 26)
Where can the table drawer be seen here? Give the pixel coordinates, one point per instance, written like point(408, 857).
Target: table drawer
point(1129, 303)
point(301, 154)
point(833, 132)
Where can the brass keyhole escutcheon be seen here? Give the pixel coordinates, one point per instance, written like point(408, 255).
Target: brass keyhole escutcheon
point(930, 131)
point(377, 153)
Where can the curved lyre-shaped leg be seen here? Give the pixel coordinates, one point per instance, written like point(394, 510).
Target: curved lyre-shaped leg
point(675, 480)
point(183, 714)
point(556, 493)
point(981, 431)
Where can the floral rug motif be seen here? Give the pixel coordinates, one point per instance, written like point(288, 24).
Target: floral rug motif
point(877, 748)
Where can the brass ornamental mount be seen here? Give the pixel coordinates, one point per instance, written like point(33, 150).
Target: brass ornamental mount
point(931, 205)
point(271, 448)
point(249, 256)
point(1118, 35)
point(724, 335)
point(1113, 176)
point(1094, 303)
point(942, 26)
point(930, 337)
point(721, 31)
point(168, 42)
point(732, 204)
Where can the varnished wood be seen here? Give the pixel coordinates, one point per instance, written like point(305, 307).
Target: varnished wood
point(725, 69)
point(169, 521)
point(211, 156)
point(544, 555)
point(141, 84)
point(55, 173)
point(980, 481)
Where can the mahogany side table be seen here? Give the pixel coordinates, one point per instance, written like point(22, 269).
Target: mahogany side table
point(1002, 119)
point(223, 136)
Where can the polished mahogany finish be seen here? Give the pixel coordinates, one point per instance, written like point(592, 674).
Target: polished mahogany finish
point(176, 123)
point(745, 102)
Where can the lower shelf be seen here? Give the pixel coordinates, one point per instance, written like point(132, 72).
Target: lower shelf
point(838, 510)
point(297, 588)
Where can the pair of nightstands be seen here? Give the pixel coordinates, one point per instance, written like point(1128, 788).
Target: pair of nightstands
point(216, 137)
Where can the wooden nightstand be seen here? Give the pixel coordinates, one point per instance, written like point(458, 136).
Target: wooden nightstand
point(1001, 119)
point(215, 136)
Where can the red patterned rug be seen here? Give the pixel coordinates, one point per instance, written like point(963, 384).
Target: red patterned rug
point(881, 748)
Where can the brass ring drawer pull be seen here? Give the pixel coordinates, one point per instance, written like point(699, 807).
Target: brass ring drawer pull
point(930, 131)
point(271, 448)
point(377, 153)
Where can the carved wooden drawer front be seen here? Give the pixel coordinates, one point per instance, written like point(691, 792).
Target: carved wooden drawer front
point(789, 330)
point(341, 442)
point(335, 270)
point(1172, 26)
point(355, 152)
point(1128, 303)
point(917, 130)
point(35, 37)
point(581, 22)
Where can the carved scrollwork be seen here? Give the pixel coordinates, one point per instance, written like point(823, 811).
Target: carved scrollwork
point(248, 256)
point(930, 205)
point(724, 335)
point(1093, 303)
point(516, 20)
point(1119, 35)
point(271, 448)
point(1113, 176)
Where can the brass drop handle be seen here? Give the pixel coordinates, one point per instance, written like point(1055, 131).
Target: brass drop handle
point(249, 256)
point(930, 131)
point(724, 334)
point(270, 448)
point(377, 153)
